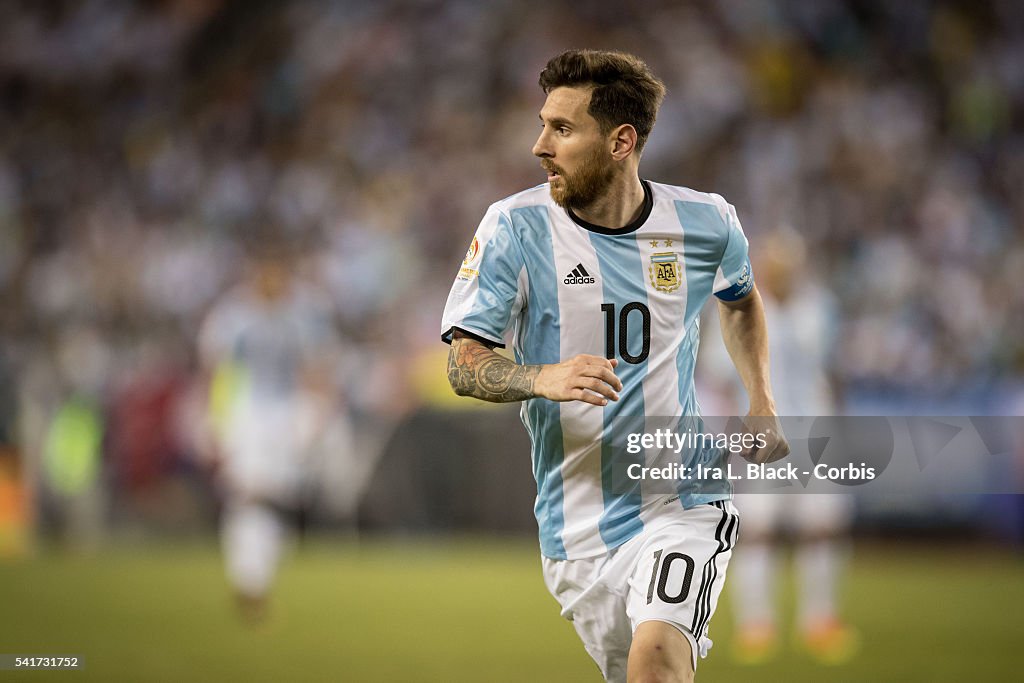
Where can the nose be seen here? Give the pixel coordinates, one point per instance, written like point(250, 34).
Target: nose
point(541, 148)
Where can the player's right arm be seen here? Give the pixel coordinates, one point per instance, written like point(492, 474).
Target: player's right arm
point(475, 369)
point(488, 296)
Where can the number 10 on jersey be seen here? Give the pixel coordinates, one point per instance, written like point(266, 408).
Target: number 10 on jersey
point(617, 326)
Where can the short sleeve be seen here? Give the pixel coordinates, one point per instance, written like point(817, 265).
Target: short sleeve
point(735, 278)
point(488, 292)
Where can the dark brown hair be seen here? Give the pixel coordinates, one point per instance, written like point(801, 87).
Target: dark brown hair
point(624, 89)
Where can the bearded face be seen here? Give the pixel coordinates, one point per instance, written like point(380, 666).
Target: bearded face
point(580, 187)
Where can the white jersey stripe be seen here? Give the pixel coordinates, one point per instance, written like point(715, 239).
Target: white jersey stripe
point(582, 423)
point(624, 309)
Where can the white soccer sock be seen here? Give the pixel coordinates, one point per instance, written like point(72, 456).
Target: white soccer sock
point(819, 564)
point(753, 582)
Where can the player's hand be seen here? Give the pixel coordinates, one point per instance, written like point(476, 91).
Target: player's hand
point(775, 446)
point(586, 378)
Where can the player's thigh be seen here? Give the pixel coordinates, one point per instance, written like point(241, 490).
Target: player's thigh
point(680, 571)
point(597, 613)
point(660, 652)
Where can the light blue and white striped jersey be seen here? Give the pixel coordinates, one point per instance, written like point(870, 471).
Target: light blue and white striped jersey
point(564, 287)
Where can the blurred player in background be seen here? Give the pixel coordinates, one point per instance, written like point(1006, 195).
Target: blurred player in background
point(270, 348)
point(589, 271)
point(801, 318)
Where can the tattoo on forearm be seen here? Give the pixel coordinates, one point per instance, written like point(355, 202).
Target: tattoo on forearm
point(474, 370)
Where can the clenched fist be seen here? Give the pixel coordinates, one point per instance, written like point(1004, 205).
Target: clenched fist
point(586, 378)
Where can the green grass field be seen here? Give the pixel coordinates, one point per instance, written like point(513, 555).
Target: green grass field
point(461, 611)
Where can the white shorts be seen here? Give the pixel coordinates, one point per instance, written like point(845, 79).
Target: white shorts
point(672, 571)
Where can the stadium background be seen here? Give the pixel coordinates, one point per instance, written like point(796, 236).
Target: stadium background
point(145, 148)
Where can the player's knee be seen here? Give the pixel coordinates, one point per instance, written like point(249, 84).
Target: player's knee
point(663, 674)
point(660, 674)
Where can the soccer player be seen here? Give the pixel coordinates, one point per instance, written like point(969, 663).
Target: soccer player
point(269, 345)
point(600, 276)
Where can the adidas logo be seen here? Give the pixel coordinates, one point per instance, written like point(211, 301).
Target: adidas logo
point(579, 276)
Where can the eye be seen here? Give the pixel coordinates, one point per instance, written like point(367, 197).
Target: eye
point(563, 131)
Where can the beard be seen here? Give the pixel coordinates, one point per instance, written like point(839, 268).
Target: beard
point(586, 185)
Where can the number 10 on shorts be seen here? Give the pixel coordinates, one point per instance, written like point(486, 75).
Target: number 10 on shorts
point(660, 577)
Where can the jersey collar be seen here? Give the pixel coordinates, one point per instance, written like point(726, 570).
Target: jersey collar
point(632, 227)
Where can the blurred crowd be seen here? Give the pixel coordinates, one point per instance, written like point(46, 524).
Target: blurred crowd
point(146, 148)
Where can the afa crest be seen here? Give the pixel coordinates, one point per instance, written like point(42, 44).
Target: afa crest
point(664, 271)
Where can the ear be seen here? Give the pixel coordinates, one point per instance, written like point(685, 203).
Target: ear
point(623, 141)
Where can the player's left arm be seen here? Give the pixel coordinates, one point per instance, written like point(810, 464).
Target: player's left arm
point(745, 333)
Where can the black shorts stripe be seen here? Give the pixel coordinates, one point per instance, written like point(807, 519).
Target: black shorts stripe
point(706, 575)
point(730, 539)
point(725, 533)
point(705, 596)
point(731, 534)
